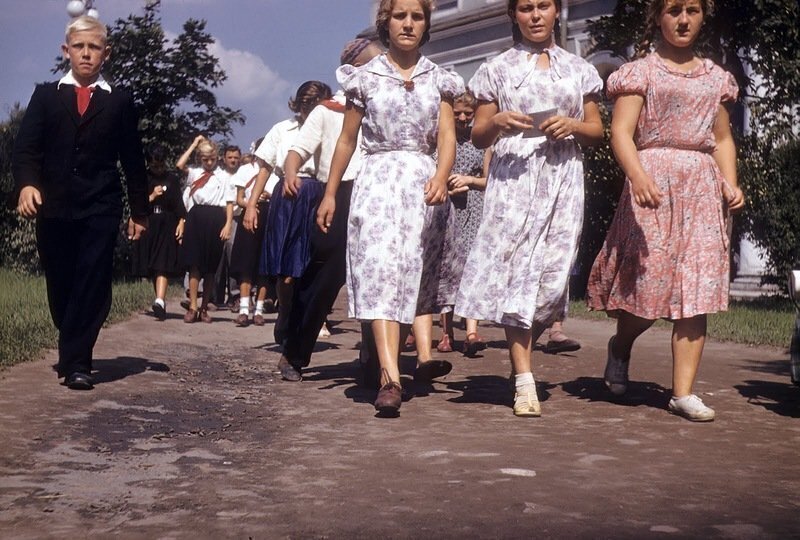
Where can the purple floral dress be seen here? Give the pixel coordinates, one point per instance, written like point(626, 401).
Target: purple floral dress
point(517, 271)
point(672, 261)
point(392, 233)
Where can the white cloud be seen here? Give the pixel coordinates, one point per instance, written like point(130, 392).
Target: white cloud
point(249, 78)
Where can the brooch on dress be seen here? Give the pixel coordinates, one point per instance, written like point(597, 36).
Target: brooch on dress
point(408, 85)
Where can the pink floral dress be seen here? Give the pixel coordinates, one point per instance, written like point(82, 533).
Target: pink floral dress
point(670, 262)
point(393, 236)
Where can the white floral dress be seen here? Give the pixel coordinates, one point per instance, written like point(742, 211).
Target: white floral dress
point(518, 269)
point(390, 228)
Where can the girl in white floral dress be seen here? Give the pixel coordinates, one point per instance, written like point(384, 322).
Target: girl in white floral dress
point(536, 103)
point(403, 102)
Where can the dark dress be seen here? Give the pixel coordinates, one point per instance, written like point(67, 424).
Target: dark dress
point(157, 252)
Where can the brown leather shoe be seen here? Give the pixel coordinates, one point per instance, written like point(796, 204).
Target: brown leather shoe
point(204, 316)
point(390, 396)
point(258, 319)
point(242, 320)
point(192, 315)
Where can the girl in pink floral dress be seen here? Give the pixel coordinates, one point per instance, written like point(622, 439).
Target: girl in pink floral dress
point(666, 253)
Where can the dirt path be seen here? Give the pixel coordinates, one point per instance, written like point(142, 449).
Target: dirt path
point(190, 434)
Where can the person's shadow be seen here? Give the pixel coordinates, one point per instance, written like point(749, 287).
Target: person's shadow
point(114, 369)
point(492, 390)
point(593, 389)
point(780, 398)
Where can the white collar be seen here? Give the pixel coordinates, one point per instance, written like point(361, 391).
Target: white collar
point(69, 78)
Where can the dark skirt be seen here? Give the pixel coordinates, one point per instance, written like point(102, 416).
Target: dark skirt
point(246, 253)
point(156, 253)
point(202, 247)
point(287, 243)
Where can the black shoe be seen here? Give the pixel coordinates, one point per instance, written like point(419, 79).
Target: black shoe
point(427, 371)
point(159, 311)
point(79, 381)
point(565, 345)
point(288, 371)
point(185, 304)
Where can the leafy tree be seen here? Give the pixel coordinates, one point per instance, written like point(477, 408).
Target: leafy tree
point(172, 82)
point(17, 235)
point(603, 181)
point(757, 41)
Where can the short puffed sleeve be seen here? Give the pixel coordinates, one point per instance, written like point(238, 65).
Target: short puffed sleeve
point(730, 90)
point(349, 78)
point(450, 84)
point(591, 83)
point(483, 85)
point(630, 78)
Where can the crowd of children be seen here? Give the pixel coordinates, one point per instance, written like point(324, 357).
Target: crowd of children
point(429, 199)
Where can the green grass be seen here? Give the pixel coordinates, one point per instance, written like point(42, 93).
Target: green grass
point(765, 321)
point(26, 328)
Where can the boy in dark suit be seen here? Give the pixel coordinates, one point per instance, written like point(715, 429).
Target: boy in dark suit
point(65, 171)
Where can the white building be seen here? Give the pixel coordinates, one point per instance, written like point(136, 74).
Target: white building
point(466, 33)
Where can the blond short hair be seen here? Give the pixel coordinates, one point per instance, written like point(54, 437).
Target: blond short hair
point(208, 147)
point(85, 23)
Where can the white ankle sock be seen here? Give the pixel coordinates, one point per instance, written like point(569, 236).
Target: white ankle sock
point(160, 302)
point(259, 306)
point(244, 305)
point(522, 380)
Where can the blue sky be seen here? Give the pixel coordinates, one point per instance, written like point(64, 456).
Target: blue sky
point(267, 47)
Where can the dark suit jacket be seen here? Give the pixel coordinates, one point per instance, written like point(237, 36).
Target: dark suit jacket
point(72, 160)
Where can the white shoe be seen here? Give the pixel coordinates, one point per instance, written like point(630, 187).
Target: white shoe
point(692, 408)
point(324, 332)
point(527, 403)
point(616, 373)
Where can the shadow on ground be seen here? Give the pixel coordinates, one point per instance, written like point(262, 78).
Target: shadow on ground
point(114, 369)
point(780, 398)
point(639, 393)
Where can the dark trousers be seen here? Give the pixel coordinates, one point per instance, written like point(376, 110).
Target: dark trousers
point(77, 257)
point(317, 289)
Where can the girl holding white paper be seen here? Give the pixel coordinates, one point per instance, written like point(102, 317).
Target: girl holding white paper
point(517, 272)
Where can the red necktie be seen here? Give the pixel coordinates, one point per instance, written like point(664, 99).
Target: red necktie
point(200, 182)
point(84, 94)
point(250, 183)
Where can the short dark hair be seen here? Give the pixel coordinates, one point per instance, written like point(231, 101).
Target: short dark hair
point(156, 152)
point(231, 148)
point(385, 13)
point(516, 33)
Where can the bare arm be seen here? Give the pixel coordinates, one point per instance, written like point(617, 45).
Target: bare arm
point(490, 123)
point(250, 220)
point(291, 183)
point(240, 200)
point(436, 187)
point(225, 233)
point(345, 146)
point(461, 183)
point(183, 162)
point(725, 156)
point(623, 127)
